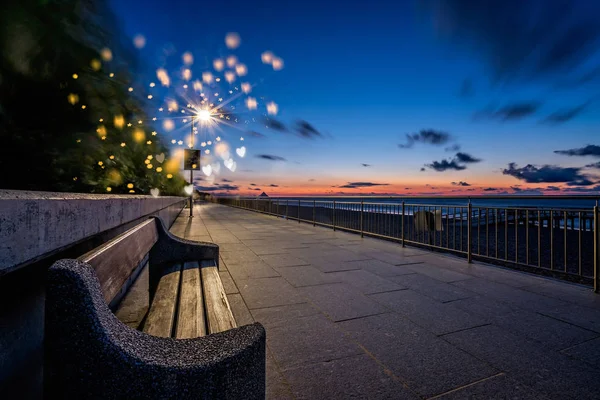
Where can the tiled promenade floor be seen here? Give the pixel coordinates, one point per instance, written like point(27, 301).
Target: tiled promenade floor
point(364, 318)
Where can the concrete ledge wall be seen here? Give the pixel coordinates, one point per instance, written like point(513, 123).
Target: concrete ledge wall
point(34, 225)
point(35, 229)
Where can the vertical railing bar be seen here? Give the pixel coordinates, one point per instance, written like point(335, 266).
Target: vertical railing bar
point(469, 228)
point(596, 237)
point(565, 240)
point(362, 210)
point(461, 228)
point(551, 225)
point(487, 232)
point(539, 241)
point(454, 228)
point(579, 242)
point(527, 237)
point(479, 231)
point(334, 215)
point(447, 227)
point(506, 234)
point(496, 235)
point(516, 236)
point(403, 244)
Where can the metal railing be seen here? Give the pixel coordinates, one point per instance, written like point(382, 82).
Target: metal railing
point(562, 242)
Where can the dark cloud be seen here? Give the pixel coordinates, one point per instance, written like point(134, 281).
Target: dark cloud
point(270, 157)
point(365, 165)
point(255, 134)
point(552, 189)
point(466, 158)
point(457, 163)
point(589, 150)
point(253, 184)
point(428, 136)
point(527, 191)
point(445, 165)
point(217, 187)
point(355, 185)
point(453, 148)
point(595, 189)
point(306, 130)
point(520, 40)
point(490, 189)
point(275, 124)
point(509, 112)
point(547, 174)
point(422, 169)
point(594, 165)
point(466, 88)
point(226, 180)
point(460, 183)
point(565, 115)
point(407, 188)
point(273, 185)
point(311, 180)
point(254, 189)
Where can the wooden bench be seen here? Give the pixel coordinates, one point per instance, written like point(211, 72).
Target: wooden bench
point(187, 302)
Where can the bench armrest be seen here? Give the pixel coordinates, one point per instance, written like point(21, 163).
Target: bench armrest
point(89, 353)
point(170, 248)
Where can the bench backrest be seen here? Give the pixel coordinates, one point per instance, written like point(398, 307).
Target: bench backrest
point(116, 260)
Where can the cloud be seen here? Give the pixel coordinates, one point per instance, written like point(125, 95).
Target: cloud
point(355, 185)
point(466, 158)
point(509, 112)
point(552, 189)
point(253, 184)
point(595, 189)
point(226, 180)
point(255, 134)
point(457, 163)
point(217, 187)
point(517, 40)
point(306, 130)
point(460, 183)
point(490, 189)
point(407, 188)
point(273, 185)
point(259, 189)
point(311, 180)
point(428, 136)
point(270, 157)
point(527, 191)
point(594, 165)
point(275, 124)
point(562, 116)
point(547, 174)
point(422, 169)
point(365, 165)
point(589, 150)
point(453, 148)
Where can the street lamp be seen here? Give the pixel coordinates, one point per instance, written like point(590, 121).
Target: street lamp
point(205, 117)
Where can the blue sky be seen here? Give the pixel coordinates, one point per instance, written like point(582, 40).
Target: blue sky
point(366, 74)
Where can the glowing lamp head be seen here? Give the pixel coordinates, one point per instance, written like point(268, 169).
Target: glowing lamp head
point(204, 115)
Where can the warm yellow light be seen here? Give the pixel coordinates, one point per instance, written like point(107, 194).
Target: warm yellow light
point(149, 157)
point(204, 115)
point(123, 144)
point(108, 189)
point(132, 191)
point(159, 169)
point(169, 176)
point(146, 161)
point(149, 166)
point(100, 163)
point(130, 186)
point(112, 157)
point(75, 76)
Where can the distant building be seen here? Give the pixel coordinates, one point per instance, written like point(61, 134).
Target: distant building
point(263, 195)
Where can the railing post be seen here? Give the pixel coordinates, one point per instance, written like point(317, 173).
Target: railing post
point(298, 210)
point(334, 215)
point(596, 233)
point(287, 208)
point(402, 222)
point(278, 207)
point(314, 212)
point(362, 210)
point(469, 250)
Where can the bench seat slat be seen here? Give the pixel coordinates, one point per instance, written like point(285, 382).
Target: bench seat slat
point(162, 311)
point(218, 312)
point(190, 318)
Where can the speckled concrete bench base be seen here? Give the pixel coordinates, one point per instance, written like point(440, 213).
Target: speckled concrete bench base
point(91, 354)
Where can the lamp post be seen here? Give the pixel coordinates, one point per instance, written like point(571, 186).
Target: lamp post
point(192, 174)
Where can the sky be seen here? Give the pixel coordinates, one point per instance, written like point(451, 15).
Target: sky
point(379, 97)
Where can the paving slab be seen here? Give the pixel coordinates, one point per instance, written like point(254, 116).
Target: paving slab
point(340, 301)
point(283, 260)
point(588, 352)
point(432, 288)
point(275, 315)
point(239, 309)
point(251, 270)
point(228, 283)
point(438, 318)
point(501, 386)
point(268, 292)
point(425, 363)
point(357, 377)
point(308, 340)
point(380, 268)
point(306, 275)
point(366, 282)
